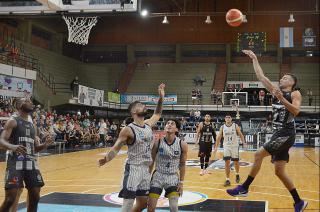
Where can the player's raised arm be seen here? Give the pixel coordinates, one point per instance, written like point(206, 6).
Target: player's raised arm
point(158, 111)
point(124, 136)
point(259, 72)
point(5, 135)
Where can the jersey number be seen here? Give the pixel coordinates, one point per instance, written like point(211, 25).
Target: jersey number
point(168, 165)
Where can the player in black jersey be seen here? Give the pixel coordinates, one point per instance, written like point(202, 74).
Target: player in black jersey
point(286, 106)
point(205, 132)
point(19, 137)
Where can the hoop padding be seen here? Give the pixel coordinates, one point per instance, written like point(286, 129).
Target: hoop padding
point(79, 28)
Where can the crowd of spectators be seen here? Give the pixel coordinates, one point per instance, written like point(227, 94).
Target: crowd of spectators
point(76, 129)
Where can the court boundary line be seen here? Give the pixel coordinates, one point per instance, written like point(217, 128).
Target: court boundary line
point(311, 159)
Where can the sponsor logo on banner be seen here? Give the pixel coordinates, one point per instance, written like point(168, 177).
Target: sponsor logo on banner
point(113, 97)
point(188, 198)
point(299, 140)
point(90, 96)
point(217, 164)
point(15, 87)
point(170, 99)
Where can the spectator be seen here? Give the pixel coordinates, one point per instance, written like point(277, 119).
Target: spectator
point(113, 130)
point(197, 116)
point(192, 115)
point(214, 96)
point(254, 98)
point(199, 96)
point(183, 124)
point(219, 97)
point(310, 97)
point(74, 86)
point(194, 96)
point(262, 94)
point(102, 130)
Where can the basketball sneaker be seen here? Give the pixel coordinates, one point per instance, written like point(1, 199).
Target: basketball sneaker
point(238, 191)
point(300, 206)
point(237, 178)
point(227, 183)
point(201, 172)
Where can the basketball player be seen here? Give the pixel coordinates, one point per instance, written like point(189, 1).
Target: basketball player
point(230, 132)
point(19, 136)
point(205, 132)
point(138, 136)
point(170, 155)
point(286, 106)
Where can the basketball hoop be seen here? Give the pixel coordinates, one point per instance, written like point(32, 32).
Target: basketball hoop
point(79, 28)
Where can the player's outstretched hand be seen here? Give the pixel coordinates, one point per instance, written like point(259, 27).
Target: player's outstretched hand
point(250, 54)
point(161, 90)
point(19, 149)
point(277, 93)
point(102, 161)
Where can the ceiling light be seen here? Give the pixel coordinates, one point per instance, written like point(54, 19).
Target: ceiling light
point(208, 20)
point(144, 13)
point(244, 19)
point(165, 20)
point(291, 19)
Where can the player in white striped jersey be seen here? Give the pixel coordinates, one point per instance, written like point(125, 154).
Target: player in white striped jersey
point(138, 136)
point(170, 155)
point(230, 132)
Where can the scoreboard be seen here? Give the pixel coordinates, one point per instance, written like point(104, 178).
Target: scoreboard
point(255, 41)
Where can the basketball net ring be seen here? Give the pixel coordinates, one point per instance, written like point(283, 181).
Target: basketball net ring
point(79, 28)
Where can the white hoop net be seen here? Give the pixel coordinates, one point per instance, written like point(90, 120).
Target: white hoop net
point(79, 28)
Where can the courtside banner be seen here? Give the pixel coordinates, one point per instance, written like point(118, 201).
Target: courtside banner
point(170, 99)
point(15, 87)
point(90, 96)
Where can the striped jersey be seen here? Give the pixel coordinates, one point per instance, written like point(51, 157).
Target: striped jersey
point(230, 137)
point(139, 152)
point(23, 134)
point(168, 156)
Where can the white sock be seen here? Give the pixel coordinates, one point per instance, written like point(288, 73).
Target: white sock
point(237, 173)
point(227, 179)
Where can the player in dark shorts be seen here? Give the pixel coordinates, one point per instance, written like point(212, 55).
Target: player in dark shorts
point(286, 106)
point(205, 132)
point(19, 137)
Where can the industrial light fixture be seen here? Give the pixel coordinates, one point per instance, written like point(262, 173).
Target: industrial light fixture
point(144, 13)
point(208, 20)
point(291, 19)
point(165, 20)
point(244, 19)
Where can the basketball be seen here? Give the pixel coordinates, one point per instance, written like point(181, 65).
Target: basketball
point(234, 17)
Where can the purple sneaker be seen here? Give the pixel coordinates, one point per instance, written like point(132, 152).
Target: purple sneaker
point(300, 206)
point(238, 191)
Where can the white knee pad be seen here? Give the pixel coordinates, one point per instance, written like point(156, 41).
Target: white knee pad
point(127, 205)
point(173, 204)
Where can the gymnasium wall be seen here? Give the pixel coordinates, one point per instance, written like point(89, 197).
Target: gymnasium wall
point(245, 71)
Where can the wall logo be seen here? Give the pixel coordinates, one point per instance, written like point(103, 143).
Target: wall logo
point(217, 164)
point(188, 198)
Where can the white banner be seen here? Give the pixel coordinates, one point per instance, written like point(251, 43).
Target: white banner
point(15, 87)
point(90, 96)
point(190, 138)
point(249, 84)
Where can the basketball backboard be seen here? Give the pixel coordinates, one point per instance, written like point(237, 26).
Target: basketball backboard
point(44, 7)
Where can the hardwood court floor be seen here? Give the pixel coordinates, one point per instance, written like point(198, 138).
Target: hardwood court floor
point(78, 172)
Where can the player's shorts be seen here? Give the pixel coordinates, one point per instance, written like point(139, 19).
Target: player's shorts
point(280, 143)
point(168, 182)
point(205, 149)
point(231, 153)
point(17, 178)
point(136, 181)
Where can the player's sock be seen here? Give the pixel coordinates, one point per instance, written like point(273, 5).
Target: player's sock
point(206, 161)
point(227, 179)
point(205, 165)
point(127, 205)
point(202, 162)
point(295, 195)
point(248, 182)
point(237, 173)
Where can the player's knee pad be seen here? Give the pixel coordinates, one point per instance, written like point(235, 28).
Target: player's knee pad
point(173, 203)
point(127, 205)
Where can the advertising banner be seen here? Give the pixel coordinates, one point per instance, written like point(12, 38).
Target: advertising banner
point(170, 99)
point(90, 96)
point(15, 87)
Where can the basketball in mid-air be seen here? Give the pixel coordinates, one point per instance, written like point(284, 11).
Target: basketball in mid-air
point(234, 17)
